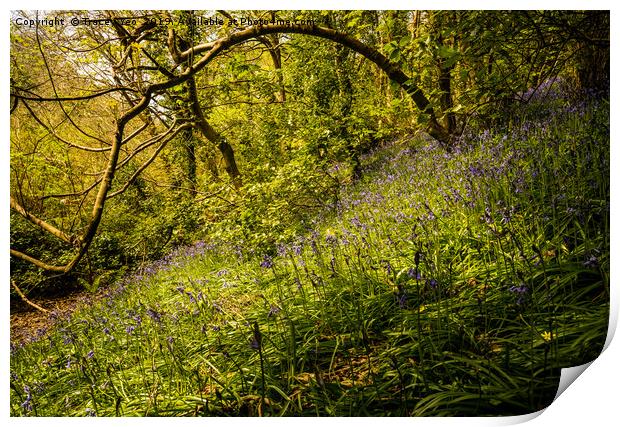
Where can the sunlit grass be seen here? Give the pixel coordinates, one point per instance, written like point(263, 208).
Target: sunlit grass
point(441, 284)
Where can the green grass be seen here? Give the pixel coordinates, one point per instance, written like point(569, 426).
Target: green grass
point(440, 284)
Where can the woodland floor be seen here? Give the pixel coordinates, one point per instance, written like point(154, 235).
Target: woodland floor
point(27, 322)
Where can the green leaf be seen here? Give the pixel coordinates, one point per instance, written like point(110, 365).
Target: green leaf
point(390, 47)
point(446, 51)
point(422, 119)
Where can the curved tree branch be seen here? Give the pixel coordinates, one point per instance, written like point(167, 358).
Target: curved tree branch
point(38, 263)
point(39, 222)
point(394, 72)
point(71, 98)
point(58, 137)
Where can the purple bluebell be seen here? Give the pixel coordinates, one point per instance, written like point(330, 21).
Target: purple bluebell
point(414, 273)
point(217, 307)
point(155, 316)
point(267, 262)
point(356, 222)
point(331, 239)
point(254, 344)
point(521, 291)
point(402, 300)
point(27, 404)
point(273, 310)
point(591, 262)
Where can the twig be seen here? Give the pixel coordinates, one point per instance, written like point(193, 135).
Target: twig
point(26, 300)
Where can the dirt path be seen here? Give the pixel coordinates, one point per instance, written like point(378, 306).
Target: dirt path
point(27, 323)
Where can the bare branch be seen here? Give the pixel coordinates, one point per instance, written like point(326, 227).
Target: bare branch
point(149, 161)
point(49, 73)
point(39, 222)
point(38, 263)
point(72, 98)
point(58, 137)
point(26, 300)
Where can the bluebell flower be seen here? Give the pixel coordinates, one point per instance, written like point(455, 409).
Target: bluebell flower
point(331, 238)
point(155, 316)
point(314, 246)
point(591, 262)
point(402, 299)
point(27, 404)
point(475, 171)
point(521, 291)
point(267, 262)
point(487, 217)
point(356, 222)
point(273, 310)
point(297, 249)
point(387, 265)
point(254, 344)
point(414, 273)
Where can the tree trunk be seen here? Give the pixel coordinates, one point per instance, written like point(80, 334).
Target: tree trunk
point(189, 147)
point(276, 57)
point(228, 154)
point(445, 85)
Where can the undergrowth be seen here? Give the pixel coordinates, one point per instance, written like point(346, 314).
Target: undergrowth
point(440, 284)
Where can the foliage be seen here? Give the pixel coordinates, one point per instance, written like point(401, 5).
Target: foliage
point(438, 284)
point(279, 113)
